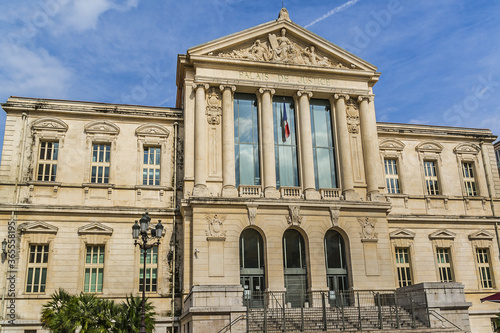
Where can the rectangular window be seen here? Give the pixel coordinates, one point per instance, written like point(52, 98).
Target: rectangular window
point(285, 142)
point(469, 180)
point(323, 148)
point(151, 270)
point(497, 154)
point(483, 265)
point(391, 176)
point(94, 269)
point(37, 268)
point(431, 179)
point(47, 161)
point(403, 266)
point(151, 166)
point(100, 163)
point(246, 140)
point(444, 264)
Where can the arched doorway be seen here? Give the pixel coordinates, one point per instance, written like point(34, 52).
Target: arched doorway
point(295, 267)
point(252, 273)
point(336, 265)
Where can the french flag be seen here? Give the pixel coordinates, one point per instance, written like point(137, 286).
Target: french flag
point(285, 129)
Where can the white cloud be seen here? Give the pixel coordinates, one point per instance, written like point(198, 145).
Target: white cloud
point(84, 14)
point(32, 73)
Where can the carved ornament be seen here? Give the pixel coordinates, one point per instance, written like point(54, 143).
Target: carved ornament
point(152, 130)
point(49, 124)
point(294, 217)
point(391, 144)
point(252, 213)
point(429, 146)
point(352, 113)
point(214, 108)
point(215, 228)
point(282, 50)
point(467, 148)
point(102, 127)
point(335, 215)
point(367, 229)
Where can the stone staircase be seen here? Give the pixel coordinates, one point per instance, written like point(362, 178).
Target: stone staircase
point(337, 319)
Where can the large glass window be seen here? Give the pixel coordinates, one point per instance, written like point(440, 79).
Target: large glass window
point(252, 276)
point(336, 265)
point(94, 269)
point(295, 267)
point(151, 270)
point(444, 264)
point(246, 140)
point(483, 265)
point(47, 161)
point(391, 176)
point(323, 147)
point(431, 178)
point(285, 142)
point(403, 266)
point(469, 180)
point(37, 268)
point(151, 166)
point(100, 163)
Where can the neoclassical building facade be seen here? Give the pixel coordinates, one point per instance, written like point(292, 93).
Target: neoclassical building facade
point(271, 174)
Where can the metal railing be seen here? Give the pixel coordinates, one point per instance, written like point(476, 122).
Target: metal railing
point(346, 310)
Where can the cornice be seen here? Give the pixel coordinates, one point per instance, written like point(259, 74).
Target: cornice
point(23, 104)
point(441, 131)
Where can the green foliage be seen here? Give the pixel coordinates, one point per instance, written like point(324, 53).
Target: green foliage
point(86, 313)
point(496, 323)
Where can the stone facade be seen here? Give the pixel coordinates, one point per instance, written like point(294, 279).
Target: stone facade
point(427, 195)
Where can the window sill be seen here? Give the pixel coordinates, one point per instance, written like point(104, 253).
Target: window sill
point(152, 187)
point(98, 185)
point(42, 183)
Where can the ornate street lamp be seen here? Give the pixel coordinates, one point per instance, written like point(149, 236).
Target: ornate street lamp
point(140, 231)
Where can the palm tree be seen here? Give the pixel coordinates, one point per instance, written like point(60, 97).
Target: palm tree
point(130, 320)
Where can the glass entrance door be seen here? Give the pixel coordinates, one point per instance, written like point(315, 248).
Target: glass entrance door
point(252, 276)
point(294, 257)
point(336, 269)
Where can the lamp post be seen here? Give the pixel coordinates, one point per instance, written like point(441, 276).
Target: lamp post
point(140, 231)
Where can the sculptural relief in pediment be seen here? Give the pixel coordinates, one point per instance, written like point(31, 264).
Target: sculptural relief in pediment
point(282, 50)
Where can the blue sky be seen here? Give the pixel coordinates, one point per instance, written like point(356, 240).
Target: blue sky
point(439, 59)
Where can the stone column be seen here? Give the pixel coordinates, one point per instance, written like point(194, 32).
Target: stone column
point(369, 139)
point(306, 148)
point(228, 163)
point(268, 156)
point(200, 142)
point(344, 148)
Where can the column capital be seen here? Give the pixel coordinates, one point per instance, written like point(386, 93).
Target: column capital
point(263, 90)
point(309, 94)
point(368, 98)
point(201, 85)
point(339, 96)
point(224, 87)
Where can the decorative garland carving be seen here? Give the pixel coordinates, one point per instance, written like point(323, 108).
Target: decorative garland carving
point(368, 229)
point(215, 228)
point(214, 108)
point(352, 113)
point(282, 50)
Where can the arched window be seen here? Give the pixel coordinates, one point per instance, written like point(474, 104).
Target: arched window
point(252, 273)
point(336, 265)
point(295, 267)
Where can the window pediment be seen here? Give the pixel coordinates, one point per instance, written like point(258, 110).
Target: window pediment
point(442, 234)
point(152, 130)
point(466, 148)
point(402, 233)
point(102, 127)
point(49, 124)
point(429, 146)
point(95, 228)
point(391, 144)
point(481, 235)
point(38, 227)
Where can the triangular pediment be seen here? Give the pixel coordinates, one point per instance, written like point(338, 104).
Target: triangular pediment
point(481, 234)
point(402, 233)
point(38, 227)
point(280, 42)
point(95, 228)
point(442, 234)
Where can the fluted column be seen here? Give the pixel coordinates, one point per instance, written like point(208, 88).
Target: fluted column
point(369, 139)
point(344, 148)
point(268, 156)
point(228, 164)
point(306, 147)
point(200, 141)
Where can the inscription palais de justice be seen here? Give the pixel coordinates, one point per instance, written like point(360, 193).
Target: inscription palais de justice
point(283, 78)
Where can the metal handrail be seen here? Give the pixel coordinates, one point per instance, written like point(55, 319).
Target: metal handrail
point(224, 329)
point(441, 318)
